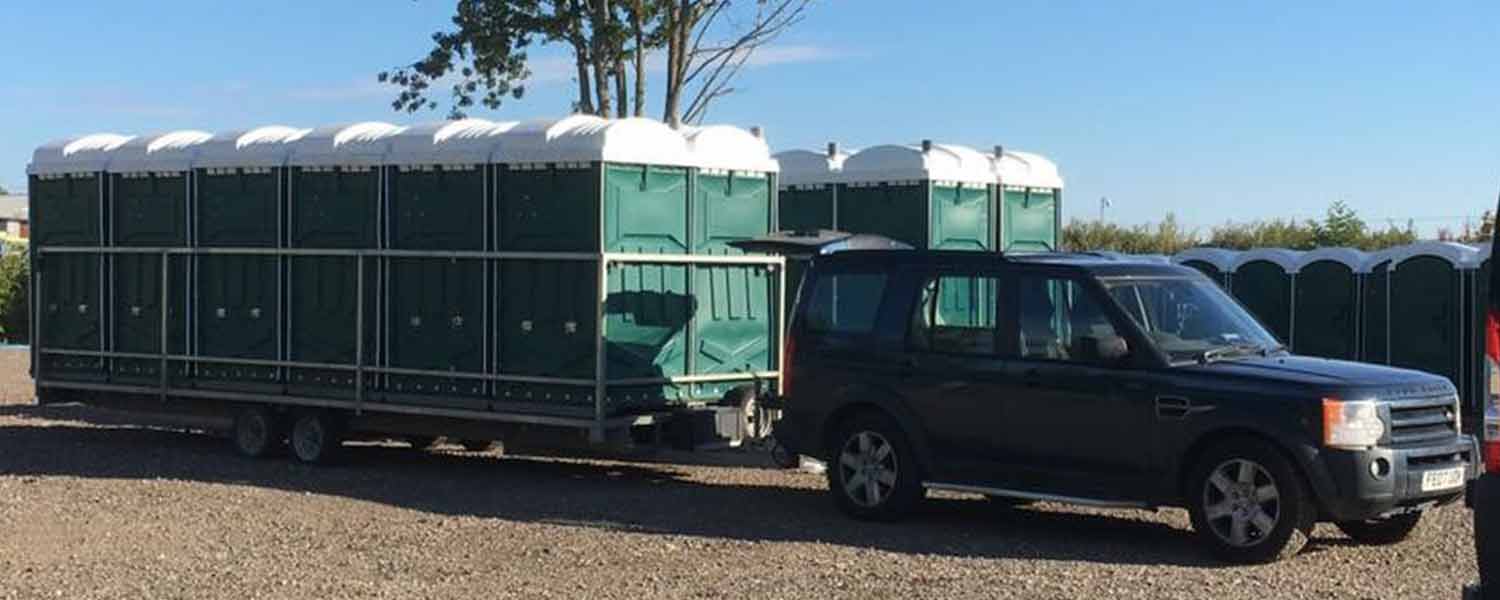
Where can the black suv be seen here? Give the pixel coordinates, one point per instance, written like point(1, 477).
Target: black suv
point(1108, 382)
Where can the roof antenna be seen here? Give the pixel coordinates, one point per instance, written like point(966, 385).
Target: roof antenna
point(999, 151)
point(926, 146)
point(758, 132)
point(833, 149)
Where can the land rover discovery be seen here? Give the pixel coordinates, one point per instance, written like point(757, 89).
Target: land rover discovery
point(1106, 382)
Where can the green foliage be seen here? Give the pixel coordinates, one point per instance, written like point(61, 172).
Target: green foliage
point(485, 54)
point(15, 288)
point(1340, 226)
point(1275, 233)
point(1469, 234)
point(1165, 237)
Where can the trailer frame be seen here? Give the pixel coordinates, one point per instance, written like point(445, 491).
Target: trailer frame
point(597, 421)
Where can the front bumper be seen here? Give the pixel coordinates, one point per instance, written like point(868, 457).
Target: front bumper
point(1349, 491)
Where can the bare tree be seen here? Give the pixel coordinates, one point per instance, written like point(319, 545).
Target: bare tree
point(704, 61)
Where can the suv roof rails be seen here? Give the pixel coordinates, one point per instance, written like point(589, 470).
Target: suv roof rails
point(817, 242)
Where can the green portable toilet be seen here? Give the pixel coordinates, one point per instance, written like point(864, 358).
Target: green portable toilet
point(807, 200)
point(1478, 298)
point(808, 193)
point(150, 179)
point(1265, 281)
point(68, 191)
point(938, 196)
point(734, 199)
point(1215, 263)
point(240, 179)
point(586, 185)
point(1429, 312)
point(1030, 201)
point(334, 202)
point(1375, 330)
point(1327, 305)
point(435, 311)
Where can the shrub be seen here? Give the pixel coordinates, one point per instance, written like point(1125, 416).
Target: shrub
point(15, 290)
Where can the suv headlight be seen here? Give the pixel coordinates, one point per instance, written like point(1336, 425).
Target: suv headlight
point(1351, 425)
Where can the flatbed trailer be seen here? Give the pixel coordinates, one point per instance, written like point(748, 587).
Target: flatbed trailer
point(355, 412)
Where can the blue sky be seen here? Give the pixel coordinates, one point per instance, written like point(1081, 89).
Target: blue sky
point(1212, 111)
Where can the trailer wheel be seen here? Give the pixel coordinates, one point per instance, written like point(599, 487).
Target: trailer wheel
point(317, 438)
point(258, 432)
point(755, 422)
point(782, 457)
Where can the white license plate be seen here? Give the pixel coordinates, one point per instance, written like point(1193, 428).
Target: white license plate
point(1442, 480)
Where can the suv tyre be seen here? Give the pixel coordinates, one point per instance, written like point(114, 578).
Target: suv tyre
point(1381, 532)
point(873, 473)
point(1249, 503)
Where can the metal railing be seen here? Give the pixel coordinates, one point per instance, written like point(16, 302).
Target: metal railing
point(360, 368)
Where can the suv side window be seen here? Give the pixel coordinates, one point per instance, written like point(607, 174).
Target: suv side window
point(957, 314)
point(846, 303)
point(1061, 320)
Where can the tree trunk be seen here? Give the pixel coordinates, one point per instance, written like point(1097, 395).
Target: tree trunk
point(640, 57)
point(585, 94)
point(599, 55)
point(622, 109)
point(676, 14)
point(582, 54)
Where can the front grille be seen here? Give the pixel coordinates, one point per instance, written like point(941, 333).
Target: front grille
point(1423, 420)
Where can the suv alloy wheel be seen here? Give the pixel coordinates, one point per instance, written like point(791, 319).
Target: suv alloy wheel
point(1248, 503)
point(873, 473)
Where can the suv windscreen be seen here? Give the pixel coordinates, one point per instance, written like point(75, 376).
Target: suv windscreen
point(1190, 319)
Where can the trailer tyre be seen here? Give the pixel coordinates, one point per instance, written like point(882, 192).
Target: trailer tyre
point(755, 422)
point(317, 438)
point(258, 432)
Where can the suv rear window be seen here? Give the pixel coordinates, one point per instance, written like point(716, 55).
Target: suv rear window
point(845, 303)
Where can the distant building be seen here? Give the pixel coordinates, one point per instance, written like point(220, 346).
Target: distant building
point(15, 221)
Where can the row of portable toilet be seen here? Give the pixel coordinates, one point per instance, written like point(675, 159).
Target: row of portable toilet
point(1419, 306)
point(579, 185)
point(927, 195)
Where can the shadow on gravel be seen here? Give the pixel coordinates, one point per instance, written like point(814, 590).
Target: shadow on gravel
point(645, 498)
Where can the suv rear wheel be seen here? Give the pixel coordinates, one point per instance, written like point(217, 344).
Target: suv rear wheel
point(873, 474)
point(1248, 503)
point(1381, 532)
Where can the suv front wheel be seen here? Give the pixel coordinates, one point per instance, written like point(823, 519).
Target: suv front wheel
point(873, 474)
point(1248, 503)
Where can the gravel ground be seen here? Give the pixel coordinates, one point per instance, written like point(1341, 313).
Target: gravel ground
point(94, 507)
